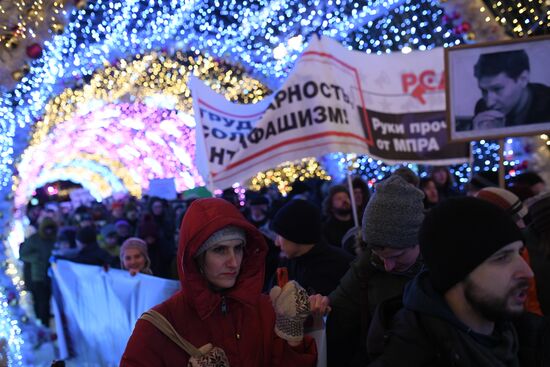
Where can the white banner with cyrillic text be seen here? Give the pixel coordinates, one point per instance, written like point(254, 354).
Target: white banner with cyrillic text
point(390, 106)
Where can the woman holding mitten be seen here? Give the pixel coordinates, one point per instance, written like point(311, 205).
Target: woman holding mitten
point(219, 317)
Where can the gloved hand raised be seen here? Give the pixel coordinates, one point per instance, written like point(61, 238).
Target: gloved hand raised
point(291, 304)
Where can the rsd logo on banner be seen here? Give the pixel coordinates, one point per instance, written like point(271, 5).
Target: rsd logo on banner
point(426, 81)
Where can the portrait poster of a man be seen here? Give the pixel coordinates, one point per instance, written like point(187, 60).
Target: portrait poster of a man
point(508, 94)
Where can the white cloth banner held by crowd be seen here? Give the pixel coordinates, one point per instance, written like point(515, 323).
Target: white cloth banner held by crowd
point(95, 311)
point(391, 107)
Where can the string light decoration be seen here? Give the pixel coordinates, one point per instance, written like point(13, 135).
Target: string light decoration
point(485, 158)
point(286, 173)
point(473, 18)
point(244, 33)
point(98, 186)
point(370, 169)
point(114, 166)
point(20, 336)
point(24, 26)
point(114, 183)
point(521, 18)
point(149, 142)
point(157, 80)
point(11, 340)
point(411, 26)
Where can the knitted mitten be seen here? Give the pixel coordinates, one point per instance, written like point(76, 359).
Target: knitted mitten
point(291, 304)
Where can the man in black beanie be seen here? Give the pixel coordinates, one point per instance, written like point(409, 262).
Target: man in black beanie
point(315, 265)
point(467, 308)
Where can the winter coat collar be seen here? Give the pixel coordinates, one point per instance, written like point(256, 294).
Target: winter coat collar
point(420, 296)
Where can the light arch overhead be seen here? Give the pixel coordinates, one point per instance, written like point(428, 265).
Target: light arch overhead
point(115, 171)
point(147, 93)
point(155, 79)
point(148, 142)
point(114, 182)
point(96, 184)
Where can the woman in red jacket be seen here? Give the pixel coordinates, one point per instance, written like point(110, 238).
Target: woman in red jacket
point(221, 270)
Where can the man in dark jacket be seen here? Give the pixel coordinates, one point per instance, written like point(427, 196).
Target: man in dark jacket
point(390, 227)
point(35, 252)
point(467, 309)
point(338, 211)
point(315, 265)
point(90, 253)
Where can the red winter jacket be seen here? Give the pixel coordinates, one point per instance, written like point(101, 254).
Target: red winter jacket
point(245, 331)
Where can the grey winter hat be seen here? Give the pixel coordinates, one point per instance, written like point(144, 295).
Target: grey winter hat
point(225, 234)
point(393, 215)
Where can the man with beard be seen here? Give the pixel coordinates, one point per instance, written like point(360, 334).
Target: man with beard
point(467, 308)
point(337, 209)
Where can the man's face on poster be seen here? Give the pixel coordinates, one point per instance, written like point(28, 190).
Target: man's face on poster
point(501, 92)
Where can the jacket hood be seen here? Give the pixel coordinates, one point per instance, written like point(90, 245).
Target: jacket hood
point(202, 219)
point(420, 296)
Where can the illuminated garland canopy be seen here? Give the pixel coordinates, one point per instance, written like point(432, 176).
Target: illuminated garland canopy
point(148, 143)
point(157, 80)
point(127, 143)
point(265, 37)
point(24, 27)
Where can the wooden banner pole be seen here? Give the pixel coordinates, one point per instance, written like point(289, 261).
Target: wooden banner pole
point(501, 182)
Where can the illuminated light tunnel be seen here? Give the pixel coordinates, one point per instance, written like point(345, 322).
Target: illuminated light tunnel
point(148, 142)
point(133, 119)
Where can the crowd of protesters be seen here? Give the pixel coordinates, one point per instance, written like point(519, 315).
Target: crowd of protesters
point(355, 271)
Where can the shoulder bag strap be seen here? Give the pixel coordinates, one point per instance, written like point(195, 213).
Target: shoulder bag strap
point(167, 329)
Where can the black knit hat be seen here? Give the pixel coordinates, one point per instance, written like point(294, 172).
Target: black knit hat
point(298, 221)
point(461, 233)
